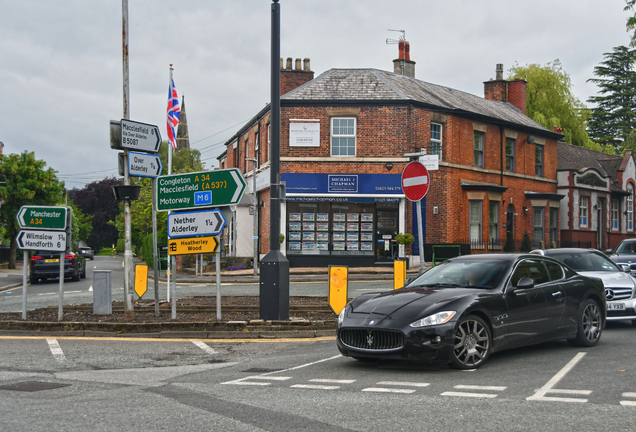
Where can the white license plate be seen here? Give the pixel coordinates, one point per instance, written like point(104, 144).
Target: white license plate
point(615, 306)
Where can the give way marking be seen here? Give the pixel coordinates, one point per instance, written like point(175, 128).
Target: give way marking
point(547, 388)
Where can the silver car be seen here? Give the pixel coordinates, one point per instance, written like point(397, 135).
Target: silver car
point(620, 286)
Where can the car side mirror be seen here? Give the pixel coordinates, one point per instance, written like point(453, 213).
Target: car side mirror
point(608, 251)
point(625, 268)
point(524, 284)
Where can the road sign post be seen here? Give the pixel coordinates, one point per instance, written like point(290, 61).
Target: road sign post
point(144, 165)
point(43, 217)
point(189, 224)
point(200, 189)
point(140, 136)
point(415, 184)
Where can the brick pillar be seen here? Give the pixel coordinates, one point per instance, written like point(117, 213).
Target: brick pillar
point(517, 94)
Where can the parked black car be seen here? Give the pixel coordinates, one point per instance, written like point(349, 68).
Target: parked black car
point(87, 252)
point(461, 311)
point(45, 264)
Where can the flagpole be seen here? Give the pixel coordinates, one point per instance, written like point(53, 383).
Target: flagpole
point(169, 258)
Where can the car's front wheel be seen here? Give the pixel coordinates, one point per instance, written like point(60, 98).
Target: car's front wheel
point(472, 344)
point(589, 325)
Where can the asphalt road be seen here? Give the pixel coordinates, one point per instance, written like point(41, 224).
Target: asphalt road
point(292, 385)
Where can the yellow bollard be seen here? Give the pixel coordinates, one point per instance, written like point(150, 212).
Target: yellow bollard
point(338, 288)
point(399, 274)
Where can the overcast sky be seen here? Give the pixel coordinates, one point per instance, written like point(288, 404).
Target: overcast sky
point(61, 60)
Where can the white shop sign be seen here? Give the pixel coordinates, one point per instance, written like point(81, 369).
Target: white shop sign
point(304, 134)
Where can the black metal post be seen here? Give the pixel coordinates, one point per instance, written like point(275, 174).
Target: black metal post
point(274, 274)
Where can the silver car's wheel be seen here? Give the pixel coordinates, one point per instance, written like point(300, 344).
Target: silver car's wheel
point(472, 343)
point(590, 325)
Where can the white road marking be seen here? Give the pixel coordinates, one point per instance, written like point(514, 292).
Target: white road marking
point(314, 387)
point(629, 395)
point(238, 382)
point(547, 388)
point(400, 383)
point(475, 395)
point(476, 387)
point(242, 381)
point(387, 390)
point(57, 352)
point(271, 378)
point(581, 392)
point(205, 347)
point(90, 288)
point(333, 381)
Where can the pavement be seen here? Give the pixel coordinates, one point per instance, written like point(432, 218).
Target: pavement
point(256, 329)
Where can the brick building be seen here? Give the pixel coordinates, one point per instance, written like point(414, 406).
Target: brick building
point(346, 137)
point(598, 208)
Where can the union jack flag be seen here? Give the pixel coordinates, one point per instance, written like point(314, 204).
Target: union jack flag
point(174, 112)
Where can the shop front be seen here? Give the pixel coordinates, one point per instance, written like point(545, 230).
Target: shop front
point(342, 219)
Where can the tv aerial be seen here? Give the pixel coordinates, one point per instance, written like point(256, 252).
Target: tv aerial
point(394, 41)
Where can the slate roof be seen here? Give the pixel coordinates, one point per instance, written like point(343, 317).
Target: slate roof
point(373, 85)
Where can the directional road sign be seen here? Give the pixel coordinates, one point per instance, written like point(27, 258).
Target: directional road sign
point(140, 136)
point(42, 240)
point(415, 181)
point(144, 165)
point(43, 217)
point(188, 224)
point(192, 245)
point(201, 189)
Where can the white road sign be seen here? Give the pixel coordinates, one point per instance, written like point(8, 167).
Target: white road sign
point(42, 240)
point(192, 224)
point(144, 165)
point(140, 136)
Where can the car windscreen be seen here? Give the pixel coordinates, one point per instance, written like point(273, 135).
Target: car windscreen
point(464, 274)
point(628, 247)
point(585, 262)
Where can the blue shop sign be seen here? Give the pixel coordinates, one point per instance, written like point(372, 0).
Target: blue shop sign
point(315, 183)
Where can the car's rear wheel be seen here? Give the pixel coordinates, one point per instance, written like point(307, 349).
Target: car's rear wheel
point(589, 325)
point(76, 277)
point(35, 281)
point(472, 344)
point(83, 274)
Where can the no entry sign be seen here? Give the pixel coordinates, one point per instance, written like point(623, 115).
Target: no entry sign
point(415, 181)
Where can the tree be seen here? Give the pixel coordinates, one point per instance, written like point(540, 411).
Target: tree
point(26, 181)
point(631, 21)
point(82, 225)
point(614, 116)
point(98, 201)
point(550, 101)
point(183, 161)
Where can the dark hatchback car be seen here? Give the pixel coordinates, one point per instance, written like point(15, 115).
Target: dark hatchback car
point(45, 265)
point(461, 311)
point(87, 252)
point(625, 253)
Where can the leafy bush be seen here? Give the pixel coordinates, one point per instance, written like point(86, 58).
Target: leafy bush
point(526, 245)
point(405, 239)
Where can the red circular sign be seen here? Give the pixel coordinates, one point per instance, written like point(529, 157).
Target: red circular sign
point(415, 181)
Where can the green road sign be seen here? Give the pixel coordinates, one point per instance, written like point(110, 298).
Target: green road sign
point(200, 189)
point(43, 217)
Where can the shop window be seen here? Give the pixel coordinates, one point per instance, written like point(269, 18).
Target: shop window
point(583, 210)
point(479, 149)
point(537, 226)
point(343, 136)
point(510, 154)
point(629, 207)
point(538, 160)
point(474, 228)
point(554, 225)
point(436, 139)
point(493, 221)
point(615, 212)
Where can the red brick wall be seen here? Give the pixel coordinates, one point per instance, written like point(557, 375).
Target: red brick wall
point(517, 94)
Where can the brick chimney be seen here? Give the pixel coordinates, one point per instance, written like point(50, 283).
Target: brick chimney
point(294, 78)
point(500, 90)
point(403, 65)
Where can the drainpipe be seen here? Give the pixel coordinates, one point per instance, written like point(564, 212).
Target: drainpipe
point(501, 139)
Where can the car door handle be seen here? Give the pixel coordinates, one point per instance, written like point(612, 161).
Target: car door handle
point(557, 294)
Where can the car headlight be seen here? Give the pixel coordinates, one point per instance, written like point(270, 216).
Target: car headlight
point(341, 316)
point(435, 319)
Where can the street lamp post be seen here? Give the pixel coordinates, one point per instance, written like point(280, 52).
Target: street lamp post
point(255, 207)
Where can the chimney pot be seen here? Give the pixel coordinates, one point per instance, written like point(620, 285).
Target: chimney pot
point(288, 66)
point(297, 66)
point(407, 51)
point(499, 72)
point(306, 67)
point(281, 63)
point(401, 50)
